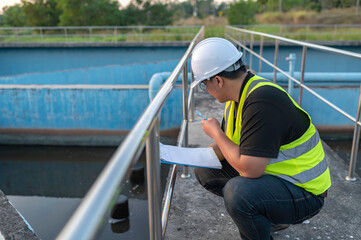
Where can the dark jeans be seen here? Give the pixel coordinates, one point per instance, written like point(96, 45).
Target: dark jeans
point(255, 204)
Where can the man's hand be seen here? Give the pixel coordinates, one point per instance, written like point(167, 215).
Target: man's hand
point(247, 166)
point(211, 127)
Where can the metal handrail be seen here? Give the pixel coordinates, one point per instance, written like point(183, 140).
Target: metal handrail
point(306, 45)
point(89, 216)
point(293, 30)
point(90, 33)
point(296, 42)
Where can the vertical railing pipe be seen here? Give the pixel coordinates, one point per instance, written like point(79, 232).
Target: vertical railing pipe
point(251, 47)
point(153, 183)
point(302, 78)
point(292, 61)
point(185, 173)
point(192, 98)
point(277, 43)
point(66, 34)
point(355, 143)
point(261, 54)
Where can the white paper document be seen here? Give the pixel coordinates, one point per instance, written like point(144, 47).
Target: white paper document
point(195, 157)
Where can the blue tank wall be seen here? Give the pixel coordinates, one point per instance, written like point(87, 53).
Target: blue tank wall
point(42, 59)
point(316, 61)
point(71, 102)
point(115, 74)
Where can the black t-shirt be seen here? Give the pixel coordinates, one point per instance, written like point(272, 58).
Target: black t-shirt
point(269, 120)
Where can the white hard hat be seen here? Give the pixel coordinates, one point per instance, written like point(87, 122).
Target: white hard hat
point(212, 56)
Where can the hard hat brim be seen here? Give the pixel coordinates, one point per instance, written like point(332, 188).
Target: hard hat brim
point(195, 83)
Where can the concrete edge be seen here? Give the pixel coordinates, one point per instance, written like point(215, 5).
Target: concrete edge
point(12, 224)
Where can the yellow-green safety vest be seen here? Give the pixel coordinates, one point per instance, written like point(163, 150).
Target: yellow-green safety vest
point(301, 162)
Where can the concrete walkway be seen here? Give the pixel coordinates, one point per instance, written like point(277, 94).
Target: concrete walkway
point(12, 225)
point(197, 214)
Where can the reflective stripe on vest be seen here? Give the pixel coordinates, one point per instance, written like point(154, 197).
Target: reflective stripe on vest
point(301, 162)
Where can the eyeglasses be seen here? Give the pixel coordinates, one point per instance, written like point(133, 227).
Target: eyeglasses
point(203, 86)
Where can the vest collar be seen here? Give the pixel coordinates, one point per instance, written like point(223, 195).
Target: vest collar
point(246, 79)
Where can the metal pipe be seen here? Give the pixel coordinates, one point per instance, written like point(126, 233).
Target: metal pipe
point(292, 62)
point(302, 79)
point(168, 198)
point(192, 102)
point(275, 60)
point(307, 44)
point(153, 183)
point(251, 47)
point(355, 144)
point(261, 54)
point(185, 173)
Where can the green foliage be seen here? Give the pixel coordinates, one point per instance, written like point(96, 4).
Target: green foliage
point(157, 15)
point(205, 8)
point(273, 5)
point(41, 12)
point(147, 14)
point(242, 12)
point(89, 12)
point(181, 10)
point(14, 16)
point(313, 5)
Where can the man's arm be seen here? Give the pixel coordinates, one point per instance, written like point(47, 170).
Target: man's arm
point(247, 166)
point(217, 151)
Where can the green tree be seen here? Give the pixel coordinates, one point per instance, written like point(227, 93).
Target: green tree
point(89, 13)
point(2, 21)
point(273, 5)
point(14, 16)
point(262, 3)
point(314, 5)
point(41, 12)
point(222, 9)
point(205, 8)
point(242, 12)
point(181, 10)
point(157, 14)
point(133, 15)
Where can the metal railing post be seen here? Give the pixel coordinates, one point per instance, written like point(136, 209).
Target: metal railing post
point(292, 61)
point(355, 143)
point(66, 34)
point(41, 34)
point(302, 78)
point(261, 54)
point(244, 50)
point(141, 34)
point(250, 54)
point(153, 183)
point(192, 98)
point(277, 43)
point(90, 34)
point(115, 34)
point(185, 173)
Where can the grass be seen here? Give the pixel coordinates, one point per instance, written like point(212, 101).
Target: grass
point(214, 27)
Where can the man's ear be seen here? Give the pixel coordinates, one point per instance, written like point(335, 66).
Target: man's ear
point(220, 81)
